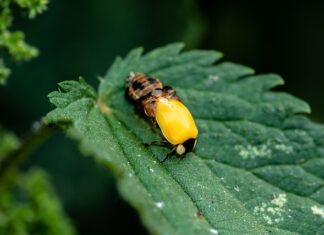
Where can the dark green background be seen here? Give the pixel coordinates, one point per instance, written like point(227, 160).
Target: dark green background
point(83, 37)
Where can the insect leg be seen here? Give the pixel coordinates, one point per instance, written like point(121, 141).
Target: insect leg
point(169, 154)
point(158, 143)
point(181, 157)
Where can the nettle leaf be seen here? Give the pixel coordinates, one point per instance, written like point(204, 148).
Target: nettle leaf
point(258, 166)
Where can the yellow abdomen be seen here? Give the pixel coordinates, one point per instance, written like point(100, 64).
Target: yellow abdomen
point(175, 121)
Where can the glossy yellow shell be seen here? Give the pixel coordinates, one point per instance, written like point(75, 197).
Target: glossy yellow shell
point(175, 121)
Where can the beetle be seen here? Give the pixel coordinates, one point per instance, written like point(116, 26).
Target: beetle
point(162, 105)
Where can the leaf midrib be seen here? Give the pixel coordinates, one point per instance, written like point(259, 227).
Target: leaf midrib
point(124, 154)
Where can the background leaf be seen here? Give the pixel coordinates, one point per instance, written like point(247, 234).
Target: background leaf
point(29, 206)
point(257, 166)
point(13, 42)
point(8, 143)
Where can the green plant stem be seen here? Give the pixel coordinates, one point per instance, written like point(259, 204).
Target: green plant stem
point(37, 136)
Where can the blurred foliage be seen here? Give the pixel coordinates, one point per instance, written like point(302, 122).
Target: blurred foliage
point(13, 42)
point(29, 206)
point(8, 143)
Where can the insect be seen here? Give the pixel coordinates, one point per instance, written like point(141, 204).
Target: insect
point(161, 104)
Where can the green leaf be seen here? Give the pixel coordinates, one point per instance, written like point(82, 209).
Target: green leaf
point(258, 165)
point(13, 43)
point(4, 73)
point(16, 46)
point(8, 143)
point(30, 206)
point(34, 7)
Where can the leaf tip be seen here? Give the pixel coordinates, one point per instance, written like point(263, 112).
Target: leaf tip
point(308, 109)
point(178, 45)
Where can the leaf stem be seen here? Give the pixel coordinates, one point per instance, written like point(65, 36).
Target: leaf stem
point(38, 135)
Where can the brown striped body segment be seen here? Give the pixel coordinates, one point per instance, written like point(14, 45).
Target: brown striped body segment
point(145, 90)
point(141, 85)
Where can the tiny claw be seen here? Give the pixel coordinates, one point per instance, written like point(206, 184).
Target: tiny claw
point(181, 157)
point(165, 158)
